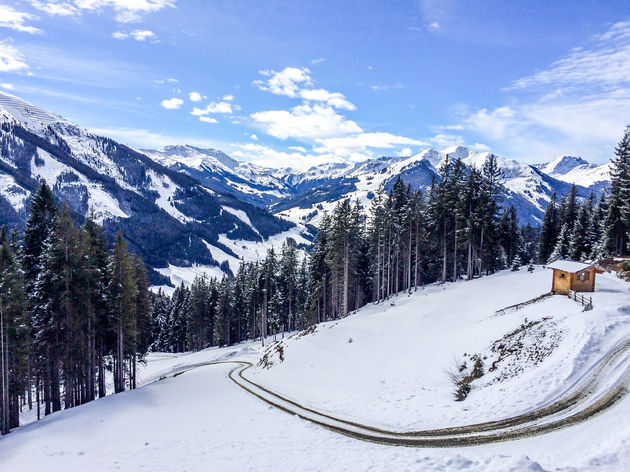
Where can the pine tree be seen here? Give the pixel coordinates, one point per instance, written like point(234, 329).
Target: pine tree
point(617, 223)
point(548, 232)
point(580, 245)
point(561, 251)
point(14, 336)
point(122, 294)
point(178, 320)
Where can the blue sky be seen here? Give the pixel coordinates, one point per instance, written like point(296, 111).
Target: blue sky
point(302, 82)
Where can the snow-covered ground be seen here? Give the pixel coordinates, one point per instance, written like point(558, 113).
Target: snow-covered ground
point(392, 374)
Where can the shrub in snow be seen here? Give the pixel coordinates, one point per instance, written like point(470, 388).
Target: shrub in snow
point(463, 377)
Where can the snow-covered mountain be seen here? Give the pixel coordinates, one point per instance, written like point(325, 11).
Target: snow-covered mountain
point(189, 210)
point(219, 172)
point(169, 218)
point(302, 196)
point(576, 170)
point(526, 187)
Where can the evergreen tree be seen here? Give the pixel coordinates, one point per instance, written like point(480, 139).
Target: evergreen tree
point(548, 232)
point(617, 223)
point(122, 296)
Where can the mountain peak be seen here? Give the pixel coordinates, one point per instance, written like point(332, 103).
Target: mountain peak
point(36, 119)
point(191, 156)
point(563, 165)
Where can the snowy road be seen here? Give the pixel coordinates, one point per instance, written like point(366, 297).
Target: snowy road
point(604, 385)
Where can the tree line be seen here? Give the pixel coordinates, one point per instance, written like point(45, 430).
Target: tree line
point(594, 228)
point(408, 239)
point(457, 229)
point(71, 309)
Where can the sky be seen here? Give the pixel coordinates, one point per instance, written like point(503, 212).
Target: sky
point(297, 83)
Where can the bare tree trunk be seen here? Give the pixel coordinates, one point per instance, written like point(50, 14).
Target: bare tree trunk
point(37, 397)
point(481, 252)
point(444, 254)
point(30, 382)
point(378, 266)
point(415, 280)
point(4, 421)
point(263, 321)
point(455, 256)
point(346, 275)
point(389, 261)
point(409, 259)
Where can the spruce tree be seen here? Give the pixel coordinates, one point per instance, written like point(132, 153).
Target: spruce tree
point(548, 232)
point(617, 223)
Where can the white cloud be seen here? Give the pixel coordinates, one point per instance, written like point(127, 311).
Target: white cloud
point(213, 107)
point(254, 137)
point(297, 83)
point(228, 98)
point(207, 119)
point(361, 142)
point(579, 105)
point(394, 86)
point(194, 96)
point(265, 156)
point(13, 19)
point(125, 11)
point(55, 8)
point(166, 81)
point(605, 63)
point(143, 35)
point(7, 86)
point(172, 103)
point(138, 35)
point(495, 123)
point(435, 13)
point(317, 120)
point(305, 122)
point(319, 60)
point(145, 139)
point(480, 147)
point(11, 60)
point(333, 99)
point(406, 152)
point(442, 141)
point(286, 82)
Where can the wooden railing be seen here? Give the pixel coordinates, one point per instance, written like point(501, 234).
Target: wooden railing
point(587, 303)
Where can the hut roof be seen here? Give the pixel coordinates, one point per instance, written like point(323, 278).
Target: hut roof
point(572, 267)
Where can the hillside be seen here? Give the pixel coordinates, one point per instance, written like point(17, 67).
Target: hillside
point(168, 217)
point(392, 375)
point(301, 196)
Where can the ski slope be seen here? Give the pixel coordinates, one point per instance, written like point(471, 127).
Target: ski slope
point(392, 375)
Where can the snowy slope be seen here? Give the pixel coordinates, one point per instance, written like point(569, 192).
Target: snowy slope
point(524, 186)
point(391, 374)
point(301, 196)
point(576, 170)
point(219, 172)
point(167, 216)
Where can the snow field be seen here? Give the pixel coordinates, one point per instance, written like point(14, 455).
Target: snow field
point(391, 374)
point(388, 366)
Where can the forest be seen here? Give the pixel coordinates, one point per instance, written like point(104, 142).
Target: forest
point(76, 310)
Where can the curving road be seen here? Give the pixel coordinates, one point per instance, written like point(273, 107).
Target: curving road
point(600, 388)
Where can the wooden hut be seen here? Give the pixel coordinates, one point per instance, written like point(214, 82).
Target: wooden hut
point(572, 275)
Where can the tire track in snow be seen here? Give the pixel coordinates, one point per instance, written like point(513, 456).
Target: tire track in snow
point(589, 396)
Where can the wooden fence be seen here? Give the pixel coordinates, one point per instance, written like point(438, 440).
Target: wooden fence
point(587, 303)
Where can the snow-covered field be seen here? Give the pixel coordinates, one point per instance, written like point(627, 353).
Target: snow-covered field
point(384, 365)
